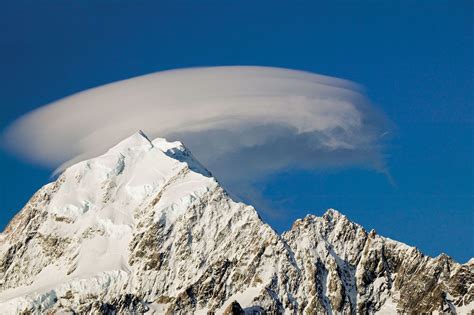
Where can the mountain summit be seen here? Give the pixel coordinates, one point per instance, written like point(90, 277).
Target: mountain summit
point(145, 228)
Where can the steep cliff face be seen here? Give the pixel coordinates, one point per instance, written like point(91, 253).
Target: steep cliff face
point(146, 228)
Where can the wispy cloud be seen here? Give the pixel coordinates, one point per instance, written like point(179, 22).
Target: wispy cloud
point(242, 122)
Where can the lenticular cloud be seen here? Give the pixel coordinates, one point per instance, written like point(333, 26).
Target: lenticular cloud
point(241, 122)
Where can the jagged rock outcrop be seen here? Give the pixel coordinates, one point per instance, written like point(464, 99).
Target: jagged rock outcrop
point(145, 228)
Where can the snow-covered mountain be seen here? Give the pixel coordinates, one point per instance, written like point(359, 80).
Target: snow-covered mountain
point(146, 228)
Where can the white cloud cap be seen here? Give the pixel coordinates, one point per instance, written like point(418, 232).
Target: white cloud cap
point(241, 122)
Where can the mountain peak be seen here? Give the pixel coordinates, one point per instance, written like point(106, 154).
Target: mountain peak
point(333, 214)
point(136, 140)
point(140, 132)
point(146, 228)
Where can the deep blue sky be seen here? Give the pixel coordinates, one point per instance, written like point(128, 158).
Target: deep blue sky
point(415, 60)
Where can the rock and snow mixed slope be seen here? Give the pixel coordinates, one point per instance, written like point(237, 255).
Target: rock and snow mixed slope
point(146, 228)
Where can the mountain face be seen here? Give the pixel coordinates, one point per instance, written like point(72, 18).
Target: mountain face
point(145, 228)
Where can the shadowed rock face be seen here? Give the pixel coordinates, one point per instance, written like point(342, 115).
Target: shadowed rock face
point(145, 228)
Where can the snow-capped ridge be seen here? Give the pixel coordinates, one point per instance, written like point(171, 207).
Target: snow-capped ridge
point(173, 149)
point(145, 228)
point(136, 140)
point(334, 215)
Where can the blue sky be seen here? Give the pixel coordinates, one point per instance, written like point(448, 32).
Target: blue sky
point(414, 60)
